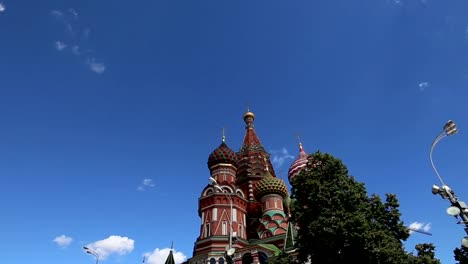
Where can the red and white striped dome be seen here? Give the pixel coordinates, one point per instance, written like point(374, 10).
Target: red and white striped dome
point(298, 164)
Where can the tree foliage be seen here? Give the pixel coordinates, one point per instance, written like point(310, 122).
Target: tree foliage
point(338, 222)
point(283, 258)
point(425, 254)
point(461, 255)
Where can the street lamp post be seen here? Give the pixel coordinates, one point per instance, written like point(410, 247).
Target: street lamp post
point(457, 208)
point(230, 251)
point(92, 252)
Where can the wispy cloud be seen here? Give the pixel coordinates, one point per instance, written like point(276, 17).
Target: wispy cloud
point(73, 12)
point(59, 45)
point(425, 227)
point(117, 245)
point(63, 241)
point(160, 256)
point(146, 184)
point(423, 86)
point(2, 7)
point(278, 157)
point(96, 67)
point(77, 38)
point(56, 13)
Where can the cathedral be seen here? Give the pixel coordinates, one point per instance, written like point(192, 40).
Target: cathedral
point(245, 210)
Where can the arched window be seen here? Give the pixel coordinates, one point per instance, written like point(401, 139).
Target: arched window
point(212, 261)
point(221, 261)
point(247, 258)
point(262, 257)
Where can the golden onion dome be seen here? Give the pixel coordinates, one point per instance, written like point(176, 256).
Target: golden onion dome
point(249, 114)
point(270, 185)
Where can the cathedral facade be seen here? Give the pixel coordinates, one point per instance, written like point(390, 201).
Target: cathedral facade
point(245, 210)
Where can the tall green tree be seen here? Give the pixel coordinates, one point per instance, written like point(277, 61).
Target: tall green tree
point(283, 258)
point(339, 222)
point(461, 255)
point(425, 254)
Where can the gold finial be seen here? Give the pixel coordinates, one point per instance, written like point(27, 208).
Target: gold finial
point(224, 137)
point(249, 113)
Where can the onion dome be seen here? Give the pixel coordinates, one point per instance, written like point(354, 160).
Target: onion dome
point(270, 185)
point(222, 154)
point(249, 114)
point(298, 164)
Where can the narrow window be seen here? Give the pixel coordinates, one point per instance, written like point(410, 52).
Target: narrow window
point(234, 215)
point(224, 228)
point(215, 214)
point(207, 230)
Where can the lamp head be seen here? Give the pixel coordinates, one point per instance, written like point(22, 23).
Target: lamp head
point(435, 189)
point(464, 242)
point(231, 251)
point(450, 128)
point(453, 211)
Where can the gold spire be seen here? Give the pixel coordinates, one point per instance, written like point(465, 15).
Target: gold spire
point(249, 113)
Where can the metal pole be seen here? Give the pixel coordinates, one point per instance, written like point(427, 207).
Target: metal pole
point(230, 224)
point(445, 191)
point(92, 252)
point(216, 185)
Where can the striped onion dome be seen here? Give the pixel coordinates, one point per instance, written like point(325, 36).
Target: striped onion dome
point(222, 154)
point(298, 164)
point(270, 185)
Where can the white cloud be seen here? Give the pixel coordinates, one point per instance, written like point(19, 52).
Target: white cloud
point(419, 226)
point(112, 245)
point(59, 45)
point(423, 86)
point(96, 67)
point(63, 240)
point(73, 12)
point(147, 183)
point(160, 255)
point(2, 7)
point(56, 13)
point(278, 157)
point(69, 18)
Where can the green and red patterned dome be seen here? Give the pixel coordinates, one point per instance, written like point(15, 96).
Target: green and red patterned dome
point(270, 185)
point(222, 154)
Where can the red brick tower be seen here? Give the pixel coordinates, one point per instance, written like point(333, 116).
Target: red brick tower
point(247, 181)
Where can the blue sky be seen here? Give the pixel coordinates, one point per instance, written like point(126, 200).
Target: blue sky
point(109, 110)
